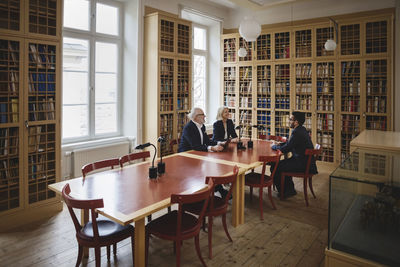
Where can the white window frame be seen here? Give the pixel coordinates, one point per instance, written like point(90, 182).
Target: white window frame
point(92, 37)
point(199, 52)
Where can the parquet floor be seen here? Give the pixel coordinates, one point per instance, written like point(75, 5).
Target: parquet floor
point(292, 235)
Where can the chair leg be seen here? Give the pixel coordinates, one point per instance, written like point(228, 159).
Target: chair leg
point(178, 252)
point(197, 243)
point(108, 253)
point(97, 256)
point(310, 185)
point(133, 250)
point(226, 227)
point(305, 190)
point(115, 249)
point(210, 224)
point(282, 185)
point(204, 223)
point(169, 209)
point(80, 255)
point(270, 197)
point(260, 193)
point(251, 193)
point(146, 250)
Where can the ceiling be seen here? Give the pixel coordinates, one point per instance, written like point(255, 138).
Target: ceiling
point(250, 4)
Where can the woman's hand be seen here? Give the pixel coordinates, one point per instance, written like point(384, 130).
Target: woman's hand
point(235, 140)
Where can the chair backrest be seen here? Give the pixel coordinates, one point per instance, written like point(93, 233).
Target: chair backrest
point(277, 138)
point(229, 179)
point(99, 165)
point(312, 153)
point(134, 156)
point(269, 159)
point(262, 136)
point(182, 199)
point(172, 143)
point(90, 204)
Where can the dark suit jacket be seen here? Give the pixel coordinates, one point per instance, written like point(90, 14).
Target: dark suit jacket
point(190, 139)
point(219, 130)
point(298, 142)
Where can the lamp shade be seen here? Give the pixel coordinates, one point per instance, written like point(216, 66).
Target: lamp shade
point(242, 52)
point(330, 45)
point(249, 29)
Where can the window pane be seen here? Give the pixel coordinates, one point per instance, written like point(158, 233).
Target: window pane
point(106, 19)
point(106, 118)
point(75, 121)
point(75, 88)
point(199, 38)
point(106, 87)
point(199, 81)
point(76, 14)
point(106, 57)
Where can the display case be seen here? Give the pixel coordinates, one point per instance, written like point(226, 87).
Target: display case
point(364, 209)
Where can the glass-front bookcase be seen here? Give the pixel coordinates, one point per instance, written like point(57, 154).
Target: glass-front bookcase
point(364, 207)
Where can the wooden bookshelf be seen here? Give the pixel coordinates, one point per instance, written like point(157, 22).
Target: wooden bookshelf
point(342, 92)
point(167, 77)
point(30, 136)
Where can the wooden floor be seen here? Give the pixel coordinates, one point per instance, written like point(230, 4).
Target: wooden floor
point(292, 235)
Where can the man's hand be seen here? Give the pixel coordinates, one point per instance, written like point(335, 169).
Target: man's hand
point(217, 148)
point(235, 140)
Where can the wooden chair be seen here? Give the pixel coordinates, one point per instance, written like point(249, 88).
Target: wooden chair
point(261, 180)
point(179, 225)
point(307, 176)
point(96, 233)
point(134, 156)
point(99, 165)
point(217, 205)
point(262, 136)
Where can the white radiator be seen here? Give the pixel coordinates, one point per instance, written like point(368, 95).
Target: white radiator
point(80, 157)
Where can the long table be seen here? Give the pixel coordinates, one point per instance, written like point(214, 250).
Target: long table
point(377, 140)
point(246, 159)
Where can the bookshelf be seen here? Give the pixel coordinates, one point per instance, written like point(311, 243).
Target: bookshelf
point(167, 77)
point(342, 92)
point(30, 139)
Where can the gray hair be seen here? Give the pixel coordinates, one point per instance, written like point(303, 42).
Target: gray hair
point(220, 111)
point(193, 112)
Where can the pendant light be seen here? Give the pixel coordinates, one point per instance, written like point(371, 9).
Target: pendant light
point(330, 44)
point(249, 30)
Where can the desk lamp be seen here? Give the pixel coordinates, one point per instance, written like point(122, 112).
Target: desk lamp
point(152, 169)
point(240, 143)
point(161, 165)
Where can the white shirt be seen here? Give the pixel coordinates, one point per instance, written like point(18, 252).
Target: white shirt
point(200, 132)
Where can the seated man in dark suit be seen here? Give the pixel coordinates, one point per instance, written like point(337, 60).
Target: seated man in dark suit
point(194, 136)
point(224, 128)
point(298, 142)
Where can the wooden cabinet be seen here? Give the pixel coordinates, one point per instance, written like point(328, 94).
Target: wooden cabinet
point(30, 139)
point(167, 77)
point(288, 69)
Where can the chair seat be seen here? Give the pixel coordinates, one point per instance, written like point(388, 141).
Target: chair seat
point(166, 224)
point(107, 229)
point(195, 208)
point(253, 179)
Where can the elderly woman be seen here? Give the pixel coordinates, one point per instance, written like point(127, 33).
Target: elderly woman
point(224, 127)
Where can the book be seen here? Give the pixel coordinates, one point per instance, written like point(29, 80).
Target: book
point(3, 113)
point(14, 109)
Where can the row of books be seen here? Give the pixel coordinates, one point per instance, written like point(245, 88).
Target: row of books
point(183, 86)
point(166, 123)
point(245, 117)
point(350, 68)
point(166, 104)
point(325, 70)
point(282, 131)
point(229, 73)
point(263, 102)
point(264, 87)
point(308, 122)
point(230, 56)
point(376, 123)
point(167, 67)
point(37, 167)
point(43, 110)
point(303, 50)
point(283, 51)
point(326, 155)
point(229, 87)
point(304, 88)
point(282, 103)
point(350, 104)
point(282, 88)
point(9, 140)
point(43, 56)
point(167, 85)
point(9, 112)
point(303, 103)
point(264, 118)
point(41, 138)
point(282, 120)
point(325, 87)
point(282, 71)
point(325, 122)
point(183, 103)
point(230, 101)
point(42, 83)
point(351, 87)
point(263, 72)
point(245, 87)
point(245, 73)
point(325, 103)
point(230, 44)
point(376, 87)
point(350, 124)
point(376, 104)
point(8, 171)
point(303, 71)
point(245, 102)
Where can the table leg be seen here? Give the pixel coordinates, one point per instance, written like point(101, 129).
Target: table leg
point(238, 201)
point(140, 243)
point(84, 220)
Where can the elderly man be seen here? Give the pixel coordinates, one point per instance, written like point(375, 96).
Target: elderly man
point(194, 136)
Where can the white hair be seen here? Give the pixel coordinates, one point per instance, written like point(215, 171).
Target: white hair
point(220, 111)
point(193, 112)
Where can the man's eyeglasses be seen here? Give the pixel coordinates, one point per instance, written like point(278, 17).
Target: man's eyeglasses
point(201, 114)
point(292, 119)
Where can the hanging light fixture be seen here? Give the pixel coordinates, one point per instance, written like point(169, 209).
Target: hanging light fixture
point(242, 52)
point(249, 29)
point(330, 44)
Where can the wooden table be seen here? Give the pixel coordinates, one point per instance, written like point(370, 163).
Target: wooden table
point(377, 140)
point(246, 159)
point(129, 196)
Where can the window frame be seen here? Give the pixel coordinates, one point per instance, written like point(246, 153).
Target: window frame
point(205, 53)
point(93, 37)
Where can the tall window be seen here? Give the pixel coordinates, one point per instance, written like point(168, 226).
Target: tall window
point(199, 66)
point(91, 69)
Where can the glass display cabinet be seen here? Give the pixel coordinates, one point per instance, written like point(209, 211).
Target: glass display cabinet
point(364, 210)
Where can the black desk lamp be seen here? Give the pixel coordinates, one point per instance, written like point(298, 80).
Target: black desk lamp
point(259, 127)
point(152, 169)
point(161, 165)
point(240, 143)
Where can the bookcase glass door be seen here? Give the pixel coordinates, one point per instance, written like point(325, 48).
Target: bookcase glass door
point(43, 17)
point(264, 99)
point(303, 40)
point(245, 99)
point(10, 18)
point(10, 123)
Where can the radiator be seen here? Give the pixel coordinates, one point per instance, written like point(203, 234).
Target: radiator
point(80, 157)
